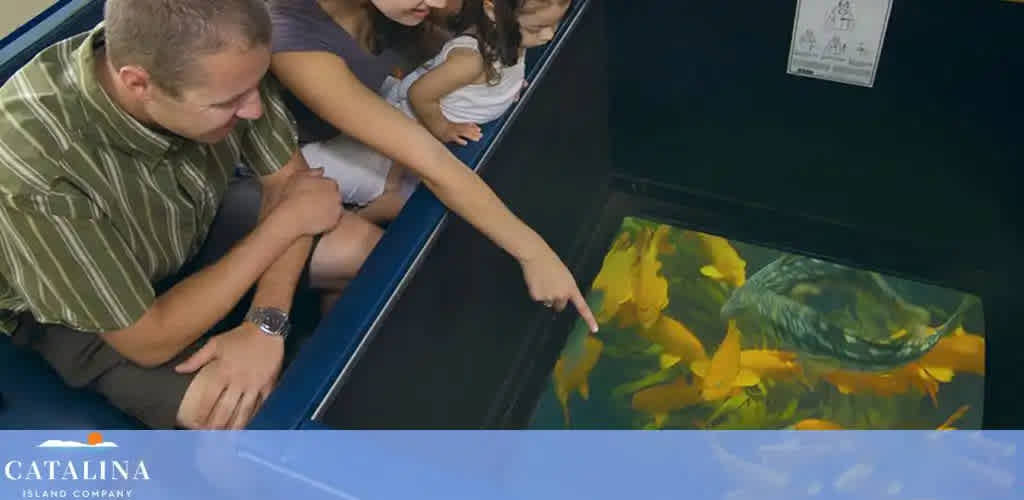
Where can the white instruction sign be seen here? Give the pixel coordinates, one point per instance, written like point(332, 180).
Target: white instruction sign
point(838, 40)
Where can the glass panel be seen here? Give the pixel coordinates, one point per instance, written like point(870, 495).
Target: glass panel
point(702, 332)
point(14, 14)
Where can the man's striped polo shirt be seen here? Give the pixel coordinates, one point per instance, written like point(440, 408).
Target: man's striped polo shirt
point(94, 206)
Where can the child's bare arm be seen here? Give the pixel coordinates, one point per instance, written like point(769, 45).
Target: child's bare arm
point(462, 67)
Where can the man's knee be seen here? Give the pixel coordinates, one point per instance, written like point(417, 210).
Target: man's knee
point(196, 410)
point(188, 415)
point(84, 361)
point(152, 395)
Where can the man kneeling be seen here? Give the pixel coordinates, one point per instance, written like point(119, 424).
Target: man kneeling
point(124, 235)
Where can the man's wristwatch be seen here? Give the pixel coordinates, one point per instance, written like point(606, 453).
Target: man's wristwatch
point(271, 321)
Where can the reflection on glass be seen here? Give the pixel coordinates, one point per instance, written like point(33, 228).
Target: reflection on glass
point(701, 332)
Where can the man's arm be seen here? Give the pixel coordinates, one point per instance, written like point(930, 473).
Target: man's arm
point(270, 148)
point(277, 286)
point(77, 271)
point(193, 306)
point(237, 369)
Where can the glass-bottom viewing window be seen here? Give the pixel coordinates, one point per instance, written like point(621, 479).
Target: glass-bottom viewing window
point(702, 332)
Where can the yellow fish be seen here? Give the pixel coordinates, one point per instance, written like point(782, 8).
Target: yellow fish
point(957, 415)
point(926, 379)
point(755, 365)
point(679, 343)
point(616, 278)
point(726, 264)
point(724, 367)
point(816, 424)
point(576, 380)
point(852, 382)
point(660, 400)
point(650, 293)
point(960, 351)
point(626, 316)
point(892, 383)
point(769, 363)
point(744, 378)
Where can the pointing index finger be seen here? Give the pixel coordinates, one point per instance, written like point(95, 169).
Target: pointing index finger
point(584, 310)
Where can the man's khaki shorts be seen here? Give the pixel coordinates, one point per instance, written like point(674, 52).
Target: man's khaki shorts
point(153, 395)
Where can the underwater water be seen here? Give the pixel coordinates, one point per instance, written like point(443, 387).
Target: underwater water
point(702, 332)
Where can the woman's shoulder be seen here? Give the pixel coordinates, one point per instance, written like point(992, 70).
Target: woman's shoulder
point(294, 9)
point(298, 16)
point(301, 25)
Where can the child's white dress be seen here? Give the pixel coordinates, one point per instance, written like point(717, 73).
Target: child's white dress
point(476, 103)
point(362, 172)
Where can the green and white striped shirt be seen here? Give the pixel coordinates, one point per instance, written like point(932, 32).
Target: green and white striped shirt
point(94, 206)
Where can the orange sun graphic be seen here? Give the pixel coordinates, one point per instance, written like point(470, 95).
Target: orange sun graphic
point(95, 438)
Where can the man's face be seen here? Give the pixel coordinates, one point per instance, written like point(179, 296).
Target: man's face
point(225, 91)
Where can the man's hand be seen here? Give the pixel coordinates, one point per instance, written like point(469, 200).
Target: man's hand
point(311, 201)
point(237, 371)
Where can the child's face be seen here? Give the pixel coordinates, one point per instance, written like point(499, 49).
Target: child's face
point(539, 21)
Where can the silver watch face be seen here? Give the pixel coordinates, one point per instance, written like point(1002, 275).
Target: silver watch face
point(272, 321)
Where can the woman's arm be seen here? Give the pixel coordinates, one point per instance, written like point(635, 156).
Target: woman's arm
point(324, 83)
point(462, 67)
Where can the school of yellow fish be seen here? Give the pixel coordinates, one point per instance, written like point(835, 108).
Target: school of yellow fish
point(636, 294)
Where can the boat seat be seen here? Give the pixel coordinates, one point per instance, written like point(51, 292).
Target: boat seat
point(32, 395)
point(35, 397)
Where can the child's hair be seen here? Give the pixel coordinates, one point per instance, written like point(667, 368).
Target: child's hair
point(499, 39)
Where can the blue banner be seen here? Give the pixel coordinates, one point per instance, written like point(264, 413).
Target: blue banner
point(350, 465)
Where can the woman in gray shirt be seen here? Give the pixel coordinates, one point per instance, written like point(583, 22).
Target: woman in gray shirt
point(332, 56)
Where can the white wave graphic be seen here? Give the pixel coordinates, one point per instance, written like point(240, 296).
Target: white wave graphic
point(56, 443)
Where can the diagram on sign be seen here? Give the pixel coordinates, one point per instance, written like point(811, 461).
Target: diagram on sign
point(862, 51)
point(860, 54)
point(839, 40)
point(840, 17)
point(808, 42)
point(835, 47)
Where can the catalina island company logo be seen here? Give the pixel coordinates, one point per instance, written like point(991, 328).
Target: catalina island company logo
point(82, 470)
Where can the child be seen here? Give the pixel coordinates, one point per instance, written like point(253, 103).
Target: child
point(474, 79)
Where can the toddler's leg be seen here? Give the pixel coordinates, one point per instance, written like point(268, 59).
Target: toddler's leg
point(384, 209)
point(398, 187)
point(394, 178)
point(360, 171)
